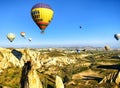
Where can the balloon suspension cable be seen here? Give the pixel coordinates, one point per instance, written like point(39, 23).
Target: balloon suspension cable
point(25, 37)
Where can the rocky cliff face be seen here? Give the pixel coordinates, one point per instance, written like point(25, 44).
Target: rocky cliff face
point(52, 65)
point(29, 77)
point(7, 59)
point(112, 78)
point(17, 57)
point(41, 61)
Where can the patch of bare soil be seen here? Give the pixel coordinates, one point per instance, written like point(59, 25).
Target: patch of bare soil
point(86, 73)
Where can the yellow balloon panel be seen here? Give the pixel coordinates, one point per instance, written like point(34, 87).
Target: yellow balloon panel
point(42, 14)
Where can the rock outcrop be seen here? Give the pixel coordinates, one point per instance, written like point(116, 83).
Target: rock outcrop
point(17, 57)
point(10, 57)
point(59, 82)
point(112, 78)
point(30, 78)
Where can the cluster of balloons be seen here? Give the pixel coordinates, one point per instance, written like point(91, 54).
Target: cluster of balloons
point(23, 34)
point(42, 14)
point(12, 36)
point(117, 37)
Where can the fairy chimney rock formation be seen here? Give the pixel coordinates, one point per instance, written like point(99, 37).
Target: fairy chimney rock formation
point(30, 78)
point(59, 82)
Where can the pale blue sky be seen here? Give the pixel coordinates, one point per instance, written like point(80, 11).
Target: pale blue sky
point(100, 20)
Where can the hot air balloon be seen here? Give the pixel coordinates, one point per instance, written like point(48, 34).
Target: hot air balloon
point(78, 51)
point(22, 34)
point(30, 39)
point(42, 14)
point(107, 47)
point(117, 36)
point(11, 36)
point(80, 27)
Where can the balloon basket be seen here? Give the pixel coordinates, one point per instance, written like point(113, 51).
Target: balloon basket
point(42, 32)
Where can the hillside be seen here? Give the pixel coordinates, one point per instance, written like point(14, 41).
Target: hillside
point(77, 70)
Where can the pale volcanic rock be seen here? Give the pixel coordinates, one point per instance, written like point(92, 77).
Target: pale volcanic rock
point(59, 82)
point(17, 57)
point(34, 81)
point(117, 81)
point(7, 59)
point(29, 77)
point(112, 77)
point(59, 61)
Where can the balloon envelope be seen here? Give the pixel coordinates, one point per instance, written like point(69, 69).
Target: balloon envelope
point(42, 14)
point(117, 36)
point(107, 47)
point(78, 51)
point(30, 39)
point(80, 27)
point(22, 34)
point(11, 36)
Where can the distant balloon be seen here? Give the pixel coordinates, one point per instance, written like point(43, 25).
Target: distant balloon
point(80, 27)
point(78, 51)
point(49, 49)
point(84, 50)
point(30, 39)
point(107, 47)
point(42, 14)
point(117, 36)
point(11, 36)
point(22, 34)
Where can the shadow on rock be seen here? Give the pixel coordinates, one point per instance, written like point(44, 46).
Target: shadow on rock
point(116, 57)
point(24, 78)
point(17, 54)
point(98, 79)
point(117, 66)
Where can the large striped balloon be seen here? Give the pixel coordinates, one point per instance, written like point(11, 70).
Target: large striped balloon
point(42, 15)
